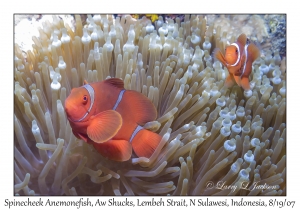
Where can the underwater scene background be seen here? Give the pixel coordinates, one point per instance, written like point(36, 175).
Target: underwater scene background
point(211, 133)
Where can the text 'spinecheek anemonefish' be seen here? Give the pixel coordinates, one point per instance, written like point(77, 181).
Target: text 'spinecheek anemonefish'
point(109, 117)
point(238, 60)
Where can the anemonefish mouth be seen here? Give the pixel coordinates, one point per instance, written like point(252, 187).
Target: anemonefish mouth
point(68, 115)
point(71, 117)
point(70, 110)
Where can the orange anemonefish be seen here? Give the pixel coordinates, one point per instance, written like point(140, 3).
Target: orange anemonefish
point(238, 60)
point(109, 117)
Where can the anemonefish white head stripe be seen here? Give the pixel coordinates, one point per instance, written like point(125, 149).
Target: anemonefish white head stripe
point(91, 92)
point(239, 54)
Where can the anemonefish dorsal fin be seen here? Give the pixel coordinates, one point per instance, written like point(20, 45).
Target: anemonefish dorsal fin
point(218, 55)
point(104, 126)
point(118, 150)
point(141, 107)
point(145, 142)
point(85, 82)
point(242, 40)
point(115, 82)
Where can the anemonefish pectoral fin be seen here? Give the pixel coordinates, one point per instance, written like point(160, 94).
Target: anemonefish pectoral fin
point(115, 82)
point(245, 83)
point(104, 126)
point(237, 79)
point(218, 55)
point(145, 142)
point(81, 136)
point(239, 71)
point(229, 82)
point(141, 107)
point(118, 150)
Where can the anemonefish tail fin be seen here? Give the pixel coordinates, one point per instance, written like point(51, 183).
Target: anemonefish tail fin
point(118, 150)
point(115, 82)
point(145, 142)
point(141, 108)
point(104, 126)
point(242, 39)
point(219, 56)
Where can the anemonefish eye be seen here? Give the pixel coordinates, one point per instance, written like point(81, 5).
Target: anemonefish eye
point(85, 99)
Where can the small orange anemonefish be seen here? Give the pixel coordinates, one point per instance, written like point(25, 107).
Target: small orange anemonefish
point(109, 117)
point(238, 60)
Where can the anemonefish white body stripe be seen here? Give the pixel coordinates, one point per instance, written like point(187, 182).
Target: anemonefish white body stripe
point(119, 99)
point(246, 58)
point(138, 128)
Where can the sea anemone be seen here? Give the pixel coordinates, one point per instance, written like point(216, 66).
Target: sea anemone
point(212, 136)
